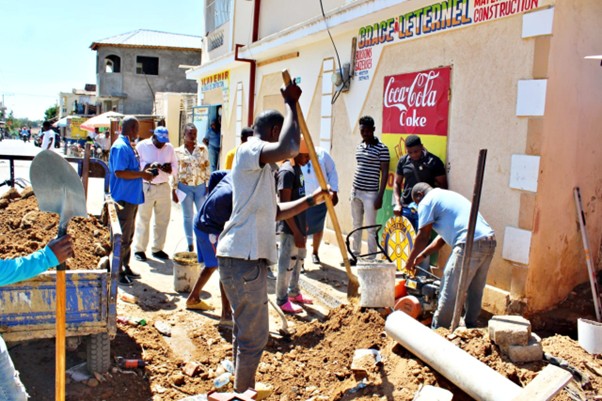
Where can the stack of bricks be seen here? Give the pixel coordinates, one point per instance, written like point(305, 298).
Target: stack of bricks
point(513, 335)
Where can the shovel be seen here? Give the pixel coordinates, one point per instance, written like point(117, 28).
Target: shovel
point(59, 190)
point(353, 285)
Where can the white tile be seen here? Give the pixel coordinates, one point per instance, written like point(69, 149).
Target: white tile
point(524, 172)
point(538, 23)
point(531, 97)
point(517, 243)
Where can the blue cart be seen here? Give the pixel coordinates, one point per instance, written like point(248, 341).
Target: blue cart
point(28, 310)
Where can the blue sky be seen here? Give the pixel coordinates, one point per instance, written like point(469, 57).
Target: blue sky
point(45, 45)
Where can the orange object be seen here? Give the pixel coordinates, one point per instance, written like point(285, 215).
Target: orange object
point(410, 305)
point(400, 289)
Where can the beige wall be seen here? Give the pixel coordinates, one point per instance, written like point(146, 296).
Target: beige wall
point(274, 17)
point(570, 156)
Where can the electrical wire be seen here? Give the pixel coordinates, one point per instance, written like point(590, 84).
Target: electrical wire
point(336, 95)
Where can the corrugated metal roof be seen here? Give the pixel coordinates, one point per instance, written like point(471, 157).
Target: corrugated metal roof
point(148, 38)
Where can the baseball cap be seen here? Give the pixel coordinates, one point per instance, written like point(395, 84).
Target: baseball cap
point(162, 134)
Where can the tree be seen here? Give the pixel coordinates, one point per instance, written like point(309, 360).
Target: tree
point(51, 112)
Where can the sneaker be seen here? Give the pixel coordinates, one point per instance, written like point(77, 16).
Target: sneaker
point(127, 271)
point(125, 280)
point(141, 256)
point(300, 299)
point(160, 255)
point(315, 259)
point(290, 307)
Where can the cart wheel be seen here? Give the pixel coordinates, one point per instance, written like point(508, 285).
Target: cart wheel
point(98, 353)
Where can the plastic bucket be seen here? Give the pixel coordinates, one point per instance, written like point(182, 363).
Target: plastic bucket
point(590, 335)
point(377, 284)
point(186, 271)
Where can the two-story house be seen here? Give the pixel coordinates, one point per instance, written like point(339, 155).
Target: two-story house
point(132, 67)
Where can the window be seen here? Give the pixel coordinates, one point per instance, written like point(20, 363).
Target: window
point(147, 65)
point(217, 13)
point(112, 64)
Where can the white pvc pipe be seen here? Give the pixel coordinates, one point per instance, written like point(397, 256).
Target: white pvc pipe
point(474, 377)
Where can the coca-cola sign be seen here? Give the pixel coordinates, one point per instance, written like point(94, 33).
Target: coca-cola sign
point(417, 103)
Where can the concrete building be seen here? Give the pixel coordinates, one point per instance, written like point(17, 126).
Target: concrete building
point(509, 76)
point(78, 101)
point(132, 67)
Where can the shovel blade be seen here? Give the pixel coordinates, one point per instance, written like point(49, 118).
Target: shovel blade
point(57, 187)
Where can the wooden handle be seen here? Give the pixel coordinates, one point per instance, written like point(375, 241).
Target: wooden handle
point(61, 290)
point(353, 283)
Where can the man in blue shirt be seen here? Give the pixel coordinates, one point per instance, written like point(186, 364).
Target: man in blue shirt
point(126, 189)
point(447, 213)
point(19, 269)
point(213, 141)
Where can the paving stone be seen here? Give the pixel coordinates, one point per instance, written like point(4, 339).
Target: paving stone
point(526, 353)
point(506, 330)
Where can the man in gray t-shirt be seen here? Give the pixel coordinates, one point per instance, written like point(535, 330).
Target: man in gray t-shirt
point(247, 246)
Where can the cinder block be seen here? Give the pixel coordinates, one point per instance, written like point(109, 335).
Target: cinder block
point(526, 353)
point(506, 330)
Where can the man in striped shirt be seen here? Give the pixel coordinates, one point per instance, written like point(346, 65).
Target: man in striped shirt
point(369, 182)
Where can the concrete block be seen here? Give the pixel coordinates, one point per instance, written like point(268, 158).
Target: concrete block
point(505, 330)
point(526, 353)
point(431, 393)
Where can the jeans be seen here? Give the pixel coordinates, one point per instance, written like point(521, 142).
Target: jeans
point(290, 261)
point(214, 159)
point(195, 195)
point(11, 388)
point(476, 278)
point(362, 207)
point(245, 284)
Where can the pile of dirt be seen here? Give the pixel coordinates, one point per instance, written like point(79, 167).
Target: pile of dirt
point(315, 362)
point(26, 229)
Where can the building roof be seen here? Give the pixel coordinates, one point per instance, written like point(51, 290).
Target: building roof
point(151, 39)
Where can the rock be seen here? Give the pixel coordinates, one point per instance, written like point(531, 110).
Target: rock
point(29, 219)
point(27, 193)
point(92, 383)
point(4, 203)
point(104, 263)
point(506, 330)
point(99, 250)
point(178, 379)
point(192, 369)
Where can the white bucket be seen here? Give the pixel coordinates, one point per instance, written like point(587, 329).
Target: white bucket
point(186, 271)
point(590, 335)
point(377, 283)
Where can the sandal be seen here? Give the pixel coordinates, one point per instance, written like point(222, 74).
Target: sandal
point(201, 305)
point(290, 307)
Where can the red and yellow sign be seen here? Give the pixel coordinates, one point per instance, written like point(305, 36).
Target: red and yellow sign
point(414, 103)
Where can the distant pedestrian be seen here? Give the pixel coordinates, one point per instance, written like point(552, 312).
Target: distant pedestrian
point(47, 135)
point(191, 178)
point(155, 153)
point(244, 135)
point(316, 215)
point(126, 189)
point(369, 183)
point(213, 141)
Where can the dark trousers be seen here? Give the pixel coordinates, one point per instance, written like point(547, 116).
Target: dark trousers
point(127, 219)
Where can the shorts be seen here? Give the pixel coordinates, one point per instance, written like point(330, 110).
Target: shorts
point(315, 217)
point(206, 245)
